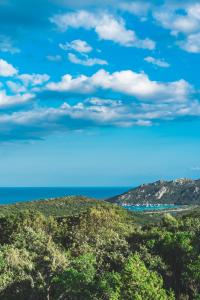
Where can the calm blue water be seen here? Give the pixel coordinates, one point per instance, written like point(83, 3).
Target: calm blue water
point(148, 208)
point(13, 195)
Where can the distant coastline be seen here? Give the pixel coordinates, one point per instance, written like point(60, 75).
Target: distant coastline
point(11, 195)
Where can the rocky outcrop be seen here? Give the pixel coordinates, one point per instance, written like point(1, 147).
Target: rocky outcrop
point(179, 191)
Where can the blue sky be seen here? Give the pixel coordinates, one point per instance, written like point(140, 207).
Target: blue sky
point(98, 92)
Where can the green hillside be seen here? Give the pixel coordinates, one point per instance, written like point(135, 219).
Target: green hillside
point(78, 248)
point(63, 206)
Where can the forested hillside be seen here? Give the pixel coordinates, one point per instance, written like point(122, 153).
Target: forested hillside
point(99, 253)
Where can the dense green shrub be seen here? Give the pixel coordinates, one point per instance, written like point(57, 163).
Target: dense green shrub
point(98, 253)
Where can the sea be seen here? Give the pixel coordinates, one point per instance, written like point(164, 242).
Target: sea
point(138, 208)
point(9, 195)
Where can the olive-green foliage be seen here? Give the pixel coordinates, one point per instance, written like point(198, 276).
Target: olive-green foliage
point(139, 283)
point(172, 249)
point(64, 206)
point(96, 251)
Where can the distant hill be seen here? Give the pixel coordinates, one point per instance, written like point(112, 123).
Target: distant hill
point(58, 207)
point(179, 191)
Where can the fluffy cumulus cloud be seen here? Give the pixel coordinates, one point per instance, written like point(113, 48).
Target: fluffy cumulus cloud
point(23, 84)
point(191, 43)
point(181, 18)
point(77, 45)
point(70, 84)
point(6, 69)
point(7, 101)
point(86, 61)
point(105, 25)
point(83, 48)
point(33, 79)
point(19, 90)
point(126, 82)
point(177, 16)
point(103, 98)
point(157, 62)
point(155, 101)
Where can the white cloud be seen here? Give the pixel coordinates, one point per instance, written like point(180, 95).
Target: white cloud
point(191, 43)
point(6, 69)
point(39, 122)
point(55, 58)
point(139, 8)
point(126, 82)
point(68, 83)
point(93, 112)
point(16, 87)
point(158, 62)
point(77, 45)
point(181, 18)
point(7, 100)
point(169, 111)
point(6, 45)
point(105, 25)
point(140, 86)
point(33, 79)
point(187, 21)
point(86, 61)
point(191, 108)
point(101, 101)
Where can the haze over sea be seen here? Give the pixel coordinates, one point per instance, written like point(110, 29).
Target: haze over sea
point(10, 195)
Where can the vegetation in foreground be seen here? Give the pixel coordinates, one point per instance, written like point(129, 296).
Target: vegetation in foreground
point(97, 253)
